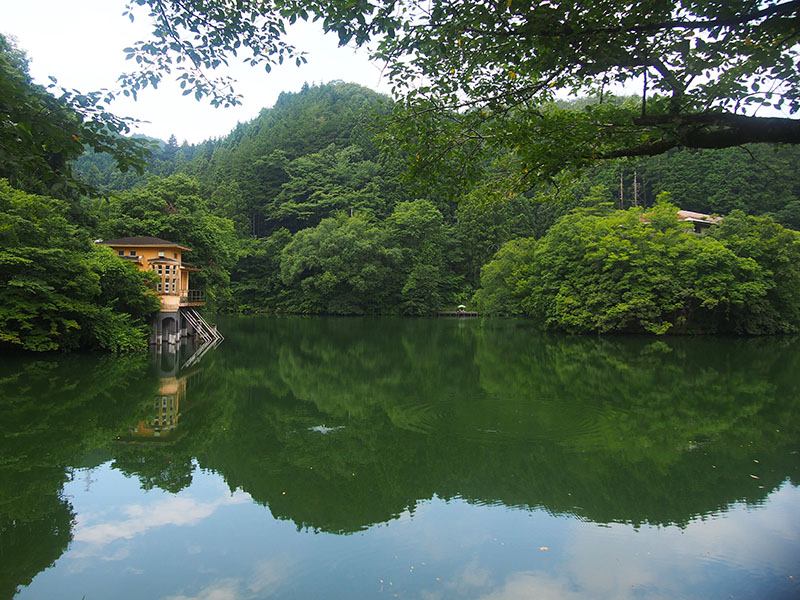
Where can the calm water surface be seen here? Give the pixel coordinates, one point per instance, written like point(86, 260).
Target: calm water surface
point(382, 458)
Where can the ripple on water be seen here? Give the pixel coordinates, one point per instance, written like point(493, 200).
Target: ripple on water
point(564, 422)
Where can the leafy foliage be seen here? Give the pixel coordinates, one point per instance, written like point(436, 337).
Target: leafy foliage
point(757, 179)
point(256, 279)
point(500, 277)
point(40, 133)
point(354, 265)
point(322, 183)
point(477, 79)
point(240, 201)
point(423, 240)
point(173, 209)
point(604, 271)
point(58, 290)
point(338, 267)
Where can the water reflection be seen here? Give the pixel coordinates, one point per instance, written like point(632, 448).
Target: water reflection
point(178, 368)
point(611, 430)
point(55, 410)
point(340, 424)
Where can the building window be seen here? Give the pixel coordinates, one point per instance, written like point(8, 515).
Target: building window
point(132, 253)
point(166, 286)
point(160, 269)
point(121, 252)
point(158, 288)
point(174, 255)
point(161, 254)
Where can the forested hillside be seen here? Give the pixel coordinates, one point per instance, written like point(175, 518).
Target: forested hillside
point(300, 210)
point(310, 209)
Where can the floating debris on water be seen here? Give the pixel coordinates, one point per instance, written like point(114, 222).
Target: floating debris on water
point(323, 429)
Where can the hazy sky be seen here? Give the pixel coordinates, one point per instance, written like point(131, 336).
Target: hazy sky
point(80, 43)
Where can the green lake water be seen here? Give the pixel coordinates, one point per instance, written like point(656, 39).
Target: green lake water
point(404, 458)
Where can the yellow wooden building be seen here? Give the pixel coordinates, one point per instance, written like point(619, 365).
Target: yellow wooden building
point(177, 317)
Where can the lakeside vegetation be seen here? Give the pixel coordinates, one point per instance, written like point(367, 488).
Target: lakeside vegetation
point(338, 200)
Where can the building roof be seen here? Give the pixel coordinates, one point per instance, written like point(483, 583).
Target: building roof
point(143, 241)
point(189, 267)
point(688, 215)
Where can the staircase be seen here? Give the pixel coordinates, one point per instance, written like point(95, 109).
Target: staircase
point(205, 332)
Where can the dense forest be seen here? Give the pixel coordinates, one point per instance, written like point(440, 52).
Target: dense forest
point(324, 222)
point(311, 209)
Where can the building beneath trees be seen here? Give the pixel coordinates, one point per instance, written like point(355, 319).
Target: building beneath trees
point(700, 221)
point(177, 317)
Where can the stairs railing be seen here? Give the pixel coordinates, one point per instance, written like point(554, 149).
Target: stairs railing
point(204, 330)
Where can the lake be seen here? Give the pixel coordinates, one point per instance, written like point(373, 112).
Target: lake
point(404, 458)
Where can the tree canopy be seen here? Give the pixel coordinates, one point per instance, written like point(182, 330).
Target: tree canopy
point(304, 215)
point(484, 75)
point(598, 270)
point(57, 289)
point(40, 133)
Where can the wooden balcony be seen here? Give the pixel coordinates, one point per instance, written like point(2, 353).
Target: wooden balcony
point(192, 297)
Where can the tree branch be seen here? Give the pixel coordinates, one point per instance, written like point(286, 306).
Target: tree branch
point(711, 130)
point(776, 10)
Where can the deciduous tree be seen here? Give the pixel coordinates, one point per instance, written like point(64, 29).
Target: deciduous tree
point(478, 76)
point(41, 132)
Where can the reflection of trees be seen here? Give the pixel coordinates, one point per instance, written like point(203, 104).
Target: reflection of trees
point(650, 431)
point(53, 412)
point(31, 545)
point(356, 367)
point(610, 429)
point(154, 468)
point(338, 424)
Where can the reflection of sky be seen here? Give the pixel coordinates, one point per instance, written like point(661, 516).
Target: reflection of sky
point(137, 519)
point(205, 543)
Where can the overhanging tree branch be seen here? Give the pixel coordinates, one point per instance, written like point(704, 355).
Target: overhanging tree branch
point(711, 130)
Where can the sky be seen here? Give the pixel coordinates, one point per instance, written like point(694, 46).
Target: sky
point(80, 43)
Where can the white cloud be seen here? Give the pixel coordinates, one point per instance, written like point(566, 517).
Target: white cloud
point(267, 576)
point(264, 580)
point(535, 586)
point(225, 589)
point(604, 562)
point(173, 510)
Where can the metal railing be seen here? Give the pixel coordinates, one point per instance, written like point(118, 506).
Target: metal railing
point(193, 296)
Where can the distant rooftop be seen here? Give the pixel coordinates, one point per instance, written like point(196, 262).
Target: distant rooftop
point(688, 215)
point(143, 241)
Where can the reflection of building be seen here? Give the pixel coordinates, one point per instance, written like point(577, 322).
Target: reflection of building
point(166, 411)
point(178, 371)
point(177, 317)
